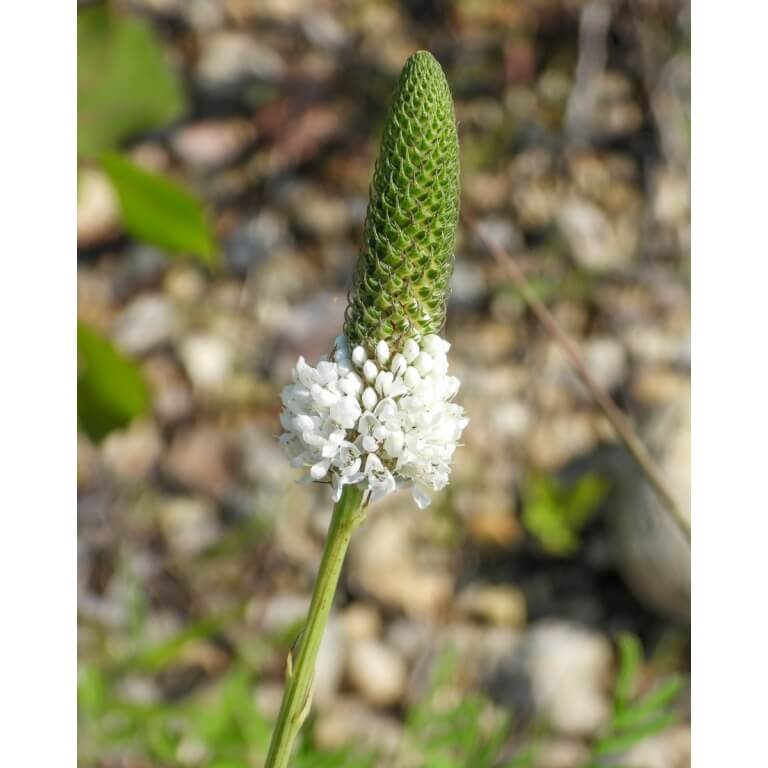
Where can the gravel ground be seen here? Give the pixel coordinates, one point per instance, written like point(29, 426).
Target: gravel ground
point(573, 129)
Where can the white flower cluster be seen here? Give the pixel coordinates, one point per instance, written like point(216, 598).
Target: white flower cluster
point(384, 423)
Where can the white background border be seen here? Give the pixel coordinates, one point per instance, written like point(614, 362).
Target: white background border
point(729, 187)
point(38, 389)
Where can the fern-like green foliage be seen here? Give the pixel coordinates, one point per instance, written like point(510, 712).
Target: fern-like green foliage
point(403, 273)
point(635, 717)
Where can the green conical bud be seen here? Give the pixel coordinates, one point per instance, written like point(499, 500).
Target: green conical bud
point(401, 282)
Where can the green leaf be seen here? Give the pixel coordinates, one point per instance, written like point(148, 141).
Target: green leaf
point(159, 211)
point(622, 741)
point(555, 514)
point(635, 719)
point(124, 82)
point(91, 690)
point(111, 391)
point(650, 705)
point(630, 659)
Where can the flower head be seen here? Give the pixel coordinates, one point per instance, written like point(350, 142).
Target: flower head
point(400, 431)
point(380, 412)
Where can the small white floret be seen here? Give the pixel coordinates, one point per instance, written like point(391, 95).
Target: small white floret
point(399, 364)
point(423, 363)
point(384, 381)
point(359, 355)
point(382, 352)
point(370, 370)
point(369, 398)
point(410, 350)
point(412, 377)
point(434, 345)
point(393, 445)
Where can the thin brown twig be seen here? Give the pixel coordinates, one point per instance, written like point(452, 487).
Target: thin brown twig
point(611, 411)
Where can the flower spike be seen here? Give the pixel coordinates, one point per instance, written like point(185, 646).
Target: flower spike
point(380, 414)
point(401, 283)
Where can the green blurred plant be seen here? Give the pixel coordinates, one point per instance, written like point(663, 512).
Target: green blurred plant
point(125, 87)
point(555, 513)
point(634, 717)
point(223, 727)
point(111, 390)
point(465, 733)
point(159, 211)
point(125, 84)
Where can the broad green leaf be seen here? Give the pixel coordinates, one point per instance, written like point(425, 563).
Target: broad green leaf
point(111, 391)
point(124, 82)
point(159, 211)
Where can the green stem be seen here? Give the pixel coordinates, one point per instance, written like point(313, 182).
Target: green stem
point(298, 684)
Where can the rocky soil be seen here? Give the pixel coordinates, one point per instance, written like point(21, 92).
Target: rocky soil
point(578, 165)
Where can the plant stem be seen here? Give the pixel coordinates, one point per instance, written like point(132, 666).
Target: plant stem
point(347, 515)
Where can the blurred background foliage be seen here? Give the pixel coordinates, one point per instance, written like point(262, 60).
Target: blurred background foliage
point(224, 153)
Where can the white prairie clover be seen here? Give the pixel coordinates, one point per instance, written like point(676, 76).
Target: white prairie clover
point(379, 414)
point(380, 424)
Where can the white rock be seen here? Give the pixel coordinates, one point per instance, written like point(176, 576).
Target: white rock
point(227, 57)
point(171, 395)
point(350, 722)
point(208, 360)
point(316, 211)
point(268, 696)
point(606, 360)
point(654, 555)
point(671, 198)
point(98, 213)
point(383, 561)
point(511, 418)
point(410, 638)
point(284, 610)
point(561, 438)
point(360, 622)
point(498, 604)
point(569, 668)
point(190, 525)
point(597, 242)
point(208, 144)
point(132, 452)
point(562, 753)
point(671, 747)
point(323, 30)
point(377, 672)
point(148, 322)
